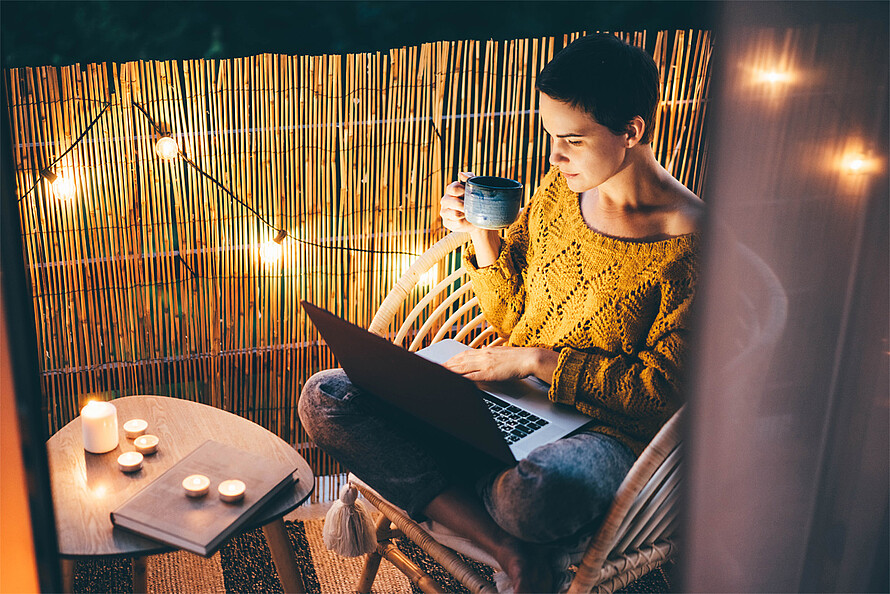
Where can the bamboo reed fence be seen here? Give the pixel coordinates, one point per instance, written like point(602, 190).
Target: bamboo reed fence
point(150, 279)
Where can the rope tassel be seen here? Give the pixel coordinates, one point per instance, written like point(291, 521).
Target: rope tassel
point(348, 527)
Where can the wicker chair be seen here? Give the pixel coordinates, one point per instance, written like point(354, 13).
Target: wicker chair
point(638, 532)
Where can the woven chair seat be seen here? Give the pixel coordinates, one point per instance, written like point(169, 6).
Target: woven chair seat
point(563, 559)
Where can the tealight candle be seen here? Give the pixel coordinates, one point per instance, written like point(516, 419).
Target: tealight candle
point(129, 461)
point(135, 427)
point(146, 444)
point(99, 427)
point(196, 485)
point(231, 490)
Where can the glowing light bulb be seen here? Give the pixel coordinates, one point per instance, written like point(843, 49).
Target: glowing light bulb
point(271, 250)
point(167, 148)
point(774, 77)
point(856, 164)
point(64, 189)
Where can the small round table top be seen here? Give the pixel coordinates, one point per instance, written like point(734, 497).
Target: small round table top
point(88, 487)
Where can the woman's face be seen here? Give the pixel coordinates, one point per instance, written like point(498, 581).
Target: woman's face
point(587, 153)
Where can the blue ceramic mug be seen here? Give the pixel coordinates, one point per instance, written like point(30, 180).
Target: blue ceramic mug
point(491, 202)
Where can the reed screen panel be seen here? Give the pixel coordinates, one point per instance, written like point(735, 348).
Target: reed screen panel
point(152, 277)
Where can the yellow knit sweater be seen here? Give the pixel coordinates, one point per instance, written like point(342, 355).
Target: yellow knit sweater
point(617, 311)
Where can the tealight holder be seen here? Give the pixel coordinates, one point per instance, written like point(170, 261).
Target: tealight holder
point(129, 462)
point(196, 485)
point(146, 445)
point(135, 427)
point(231, 491)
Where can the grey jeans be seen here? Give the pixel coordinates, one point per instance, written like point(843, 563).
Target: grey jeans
point(559, 492)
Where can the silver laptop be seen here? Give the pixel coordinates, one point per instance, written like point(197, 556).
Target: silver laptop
point(518, 405)
point(505, 420)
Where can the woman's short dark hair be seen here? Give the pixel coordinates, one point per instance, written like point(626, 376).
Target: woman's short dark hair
point(607, 78)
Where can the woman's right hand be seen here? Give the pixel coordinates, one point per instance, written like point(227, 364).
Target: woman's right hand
point(451, 207)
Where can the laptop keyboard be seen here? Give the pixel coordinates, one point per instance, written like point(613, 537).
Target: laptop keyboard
point(514, 422)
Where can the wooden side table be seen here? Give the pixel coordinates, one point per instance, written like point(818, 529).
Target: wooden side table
point(87, 487)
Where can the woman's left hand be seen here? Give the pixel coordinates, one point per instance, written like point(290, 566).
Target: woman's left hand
point(504, 362)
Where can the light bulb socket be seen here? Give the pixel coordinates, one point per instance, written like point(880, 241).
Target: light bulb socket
point(280, 237)
point(48, 175)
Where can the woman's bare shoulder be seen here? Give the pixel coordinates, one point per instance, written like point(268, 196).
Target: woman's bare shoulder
point(688, 213)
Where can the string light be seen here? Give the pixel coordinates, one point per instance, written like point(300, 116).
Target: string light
point(167, 148)
point(774, 77)
point(857, 163)
point(856, 158)
point(271, 250)
point(63, 188)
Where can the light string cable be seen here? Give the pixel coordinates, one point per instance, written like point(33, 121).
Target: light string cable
point(160, 130)
point(259, 215)
point(68, 150)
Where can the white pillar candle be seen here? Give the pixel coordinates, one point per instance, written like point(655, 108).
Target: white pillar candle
point(146, 444)
point(135, 427)
point(231, 490)
point(129, 462)
point(196, 485)
point(99, 427)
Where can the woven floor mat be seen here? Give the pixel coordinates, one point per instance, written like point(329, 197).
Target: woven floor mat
point(244, 565)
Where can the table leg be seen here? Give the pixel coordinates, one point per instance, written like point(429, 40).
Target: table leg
point(140, 577)
point(284, 557)
point(67, 575)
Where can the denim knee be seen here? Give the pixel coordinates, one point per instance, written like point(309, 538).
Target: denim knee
point(345, 423)
point(560, 490)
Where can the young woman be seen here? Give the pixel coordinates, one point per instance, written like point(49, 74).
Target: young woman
point(593, 285)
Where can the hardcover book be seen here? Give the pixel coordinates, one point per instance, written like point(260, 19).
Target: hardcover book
point(162, 511)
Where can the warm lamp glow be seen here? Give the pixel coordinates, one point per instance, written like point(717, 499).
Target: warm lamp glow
point(271, 250)
point(857, 164)
point(855, 161)
point(167, 148)
point(63, 188)
point(854, 164)
point(774, 77)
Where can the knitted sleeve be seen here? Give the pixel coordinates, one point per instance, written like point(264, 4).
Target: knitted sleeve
point(500, 287)
point(639, 387)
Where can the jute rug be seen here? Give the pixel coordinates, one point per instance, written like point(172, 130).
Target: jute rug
point(244, 565)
